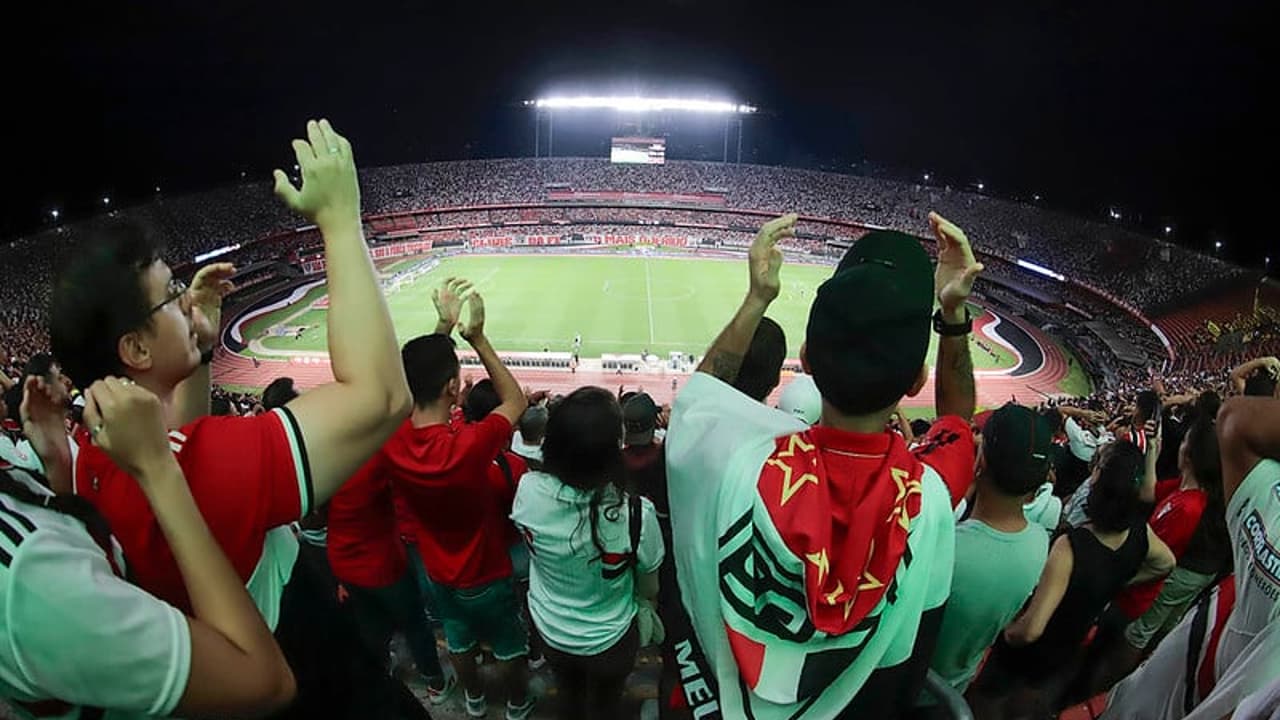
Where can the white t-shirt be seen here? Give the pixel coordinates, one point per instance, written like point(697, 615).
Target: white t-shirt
point(1253, 521)
point(76, 632)
point(582, 603)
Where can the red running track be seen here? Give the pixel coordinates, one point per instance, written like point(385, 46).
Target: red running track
point(993, 389)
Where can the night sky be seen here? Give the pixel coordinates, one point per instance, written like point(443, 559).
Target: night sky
point(1155, 109)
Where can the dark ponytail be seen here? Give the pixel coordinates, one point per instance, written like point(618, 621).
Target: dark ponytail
point(583, 449)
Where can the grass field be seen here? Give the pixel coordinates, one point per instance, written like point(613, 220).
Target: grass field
point(619, 304)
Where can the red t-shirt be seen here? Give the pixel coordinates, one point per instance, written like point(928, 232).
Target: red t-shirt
point(949, 449)
point(246, 474)
point(445, 475)
point(364, 541)
point(1174, 521)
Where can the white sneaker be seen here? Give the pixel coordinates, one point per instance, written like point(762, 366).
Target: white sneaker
point(476, 707)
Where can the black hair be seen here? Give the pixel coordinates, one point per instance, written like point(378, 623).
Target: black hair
point(40, 365)
point(920, 427)
point(1148, 403)
point(533, 424)
point(1113, 503)
point(481, 400)
point(99, 298)
point(583, 448)
point(1207, 404)
point(1260, 383)
point(279, 393)
point(220, 406)
point(1205, 458)
point(1054, 417)
point(761, 369)
point(430, 362)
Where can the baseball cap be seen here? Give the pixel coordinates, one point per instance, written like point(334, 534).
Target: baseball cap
point(640, 416)
point(868, 329)
point(801, 398)
point(1017, 445)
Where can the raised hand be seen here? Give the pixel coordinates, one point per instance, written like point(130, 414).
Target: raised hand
point(448, 299)
point(765, 259)
point(330, 191)
point(957, 268)
point(211, 283)
point(473, 329)
point(127, 422)
point(43, 412)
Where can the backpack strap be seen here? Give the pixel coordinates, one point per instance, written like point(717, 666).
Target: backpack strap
point(505, 464)
point(633, 502)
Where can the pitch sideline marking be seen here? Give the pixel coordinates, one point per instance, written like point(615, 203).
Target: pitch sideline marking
point(648, 298)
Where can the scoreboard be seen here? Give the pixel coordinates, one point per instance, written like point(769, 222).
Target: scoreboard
point(639, 150)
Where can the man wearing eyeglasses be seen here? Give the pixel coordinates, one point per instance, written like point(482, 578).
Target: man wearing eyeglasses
point(119, 311)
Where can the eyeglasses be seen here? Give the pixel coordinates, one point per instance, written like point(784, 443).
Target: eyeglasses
point(177, 290)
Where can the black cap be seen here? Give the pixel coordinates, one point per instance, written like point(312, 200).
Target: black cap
point(640, 416)
point(1017, 446)
point(869, 325)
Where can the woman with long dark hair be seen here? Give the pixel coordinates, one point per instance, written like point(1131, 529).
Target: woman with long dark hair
point(593, 548)
point(1030, 667)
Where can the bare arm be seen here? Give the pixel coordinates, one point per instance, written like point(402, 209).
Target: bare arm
point(1054, 578)
point(1248, 431)
point(724, 358)
point(6, 382)
point(954, 391)
point(1147, 491)
point(236, 666)
point(1158, 562)
point(1244, 370)
point(344, 422)
point(43, 412)
point(647, 585)
point(510, 394)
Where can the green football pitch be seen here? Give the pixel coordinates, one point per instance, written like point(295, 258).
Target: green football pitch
point(618, 303)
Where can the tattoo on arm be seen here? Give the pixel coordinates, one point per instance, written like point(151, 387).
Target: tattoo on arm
point(723, 365)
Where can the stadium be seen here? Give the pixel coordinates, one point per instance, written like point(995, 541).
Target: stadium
point(610, 280)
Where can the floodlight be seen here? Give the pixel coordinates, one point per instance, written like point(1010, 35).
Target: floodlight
point(157, 188)
point(981, 186)
point(106, 200)
point(639, 104)
point(1168, 229)
point(1217, 245)
point(54, 213)
point(1040, 269)
point(926, 177)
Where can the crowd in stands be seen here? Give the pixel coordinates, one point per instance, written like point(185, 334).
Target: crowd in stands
point(169, 549)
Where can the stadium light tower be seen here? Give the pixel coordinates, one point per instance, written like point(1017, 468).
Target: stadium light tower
point(106, 201)
point(54, 213)
point(1168, 229)
point(548, 106)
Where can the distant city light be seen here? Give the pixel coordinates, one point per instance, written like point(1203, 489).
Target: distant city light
point(639, 104)
point(1041, 270)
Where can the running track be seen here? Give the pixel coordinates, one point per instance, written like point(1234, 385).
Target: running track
point(1025, 382)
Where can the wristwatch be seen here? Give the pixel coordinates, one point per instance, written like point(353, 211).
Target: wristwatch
point(946, 329)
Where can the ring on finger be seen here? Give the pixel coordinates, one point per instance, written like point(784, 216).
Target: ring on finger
point(95, 430)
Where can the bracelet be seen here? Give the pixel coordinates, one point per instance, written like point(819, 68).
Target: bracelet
point(946, 329)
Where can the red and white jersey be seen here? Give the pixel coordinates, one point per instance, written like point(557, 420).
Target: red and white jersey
point(249, 477)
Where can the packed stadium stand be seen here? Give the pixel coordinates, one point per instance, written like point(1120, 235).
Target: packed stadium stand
point(1147, 322)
